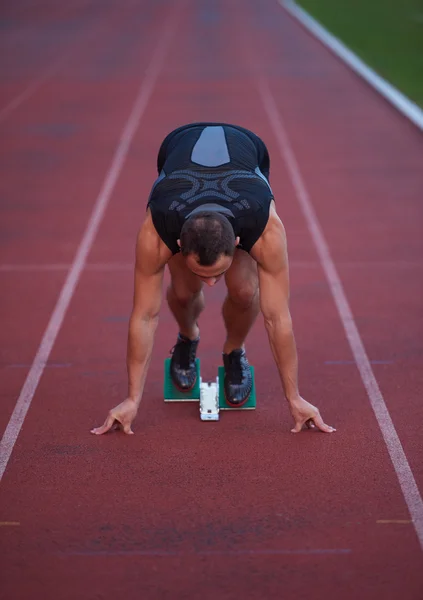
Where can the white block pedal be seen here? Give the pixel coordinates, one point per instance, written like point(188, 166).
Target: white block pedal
point(209, 400)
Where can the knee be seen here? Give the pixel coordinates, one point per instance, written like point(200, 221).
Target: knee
point(183, 296)
point(244, 295)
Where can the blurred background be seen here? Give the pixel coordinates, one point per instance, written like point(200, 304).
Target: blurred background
point(386, 34)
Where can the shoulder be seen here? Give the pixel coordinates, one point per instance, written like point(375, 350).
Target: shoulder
point(270, 250)
point(151, 252)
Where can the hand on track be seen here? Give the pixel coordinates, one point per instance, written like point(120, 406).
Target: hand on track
point(120, 417)
point(306, 414)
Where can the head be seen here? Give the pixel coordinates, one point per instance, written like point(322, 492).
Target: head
point(208, 245)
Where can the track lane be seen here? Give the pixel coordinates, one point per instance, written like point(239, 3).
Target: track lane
point(92, 502)
point(48, 186)
point(367, 194)
point(38, 41)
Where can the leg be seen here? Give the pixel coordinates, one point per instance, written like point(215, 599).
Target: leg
point(186, 301)
point(240, 310)
point(185, 297)
point(241, 305)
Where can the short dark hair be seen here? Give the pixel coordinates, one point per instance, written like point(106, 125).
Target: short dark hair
point(207, 234)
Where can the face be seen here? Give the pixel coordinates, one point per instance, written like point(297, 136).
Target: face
point(209, 275)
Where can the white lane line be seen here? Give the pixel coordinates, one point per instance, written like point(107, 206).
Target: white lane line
point(297, 264)
point(29, 268)
point(399, 460)
point(176, 553)
point(408, 108)
point(27, 393)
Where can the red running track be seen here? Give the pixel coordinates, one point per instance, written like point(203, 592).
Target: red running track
point(184, 509)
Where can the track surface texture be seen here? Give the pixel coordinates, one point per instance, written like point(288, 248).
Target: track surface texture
point(183, 509)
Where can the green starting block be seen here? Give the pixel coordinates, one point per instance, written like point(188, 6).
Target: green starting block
point(210, 395)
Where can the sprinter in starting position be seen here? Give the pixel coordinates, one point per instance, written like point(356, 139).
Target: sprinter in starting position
point(211, 214)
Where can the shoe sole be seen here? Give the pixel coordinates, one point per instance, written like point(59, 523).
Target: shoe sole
point(237, 404)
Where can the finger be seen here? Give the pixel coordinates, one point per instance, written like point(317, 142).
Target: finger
point(318, 421)
point(127, 429)
point(105, 427)
point(298, 427)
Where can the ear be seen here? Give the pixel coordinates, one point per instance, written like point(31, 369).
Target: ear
point(178, 242)
point(237, 241)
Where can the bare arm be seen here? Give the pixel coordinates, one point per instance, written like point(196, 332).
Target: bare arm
point(271, 255)
point(151, 258)
point(273, 274)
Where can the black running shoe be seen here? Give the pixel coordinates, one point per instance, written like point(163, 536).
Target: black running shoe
point(238, 381)
point(182, 363)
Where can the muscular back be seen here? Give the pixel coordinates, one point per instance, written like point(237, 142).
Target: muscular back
point(214, 167)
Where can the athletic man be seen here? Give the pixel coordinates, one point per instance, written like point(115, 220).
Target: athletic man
point(211, 214)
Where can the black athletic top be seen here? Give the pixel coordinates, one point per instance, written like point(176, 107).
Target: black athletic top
point(211, 166)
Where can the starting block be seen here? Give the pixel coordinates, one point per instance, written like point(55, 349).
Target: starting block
point(209, 394)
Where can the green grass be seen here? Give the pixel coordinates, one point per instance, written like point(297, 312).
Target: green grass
point(386, 34)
